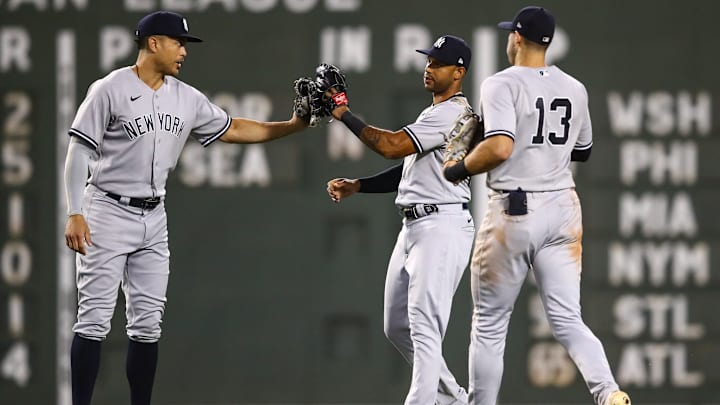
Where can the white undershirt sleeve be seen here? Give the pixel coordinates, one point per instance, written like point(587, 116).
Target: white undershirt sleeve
point(76, 173)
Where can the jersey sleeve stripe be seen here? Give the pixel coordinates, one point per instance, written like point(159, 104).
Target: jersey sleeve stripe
point(84, 137)
point(219, 134)
point(414, 139)
point(583, 147)
point(500, 132)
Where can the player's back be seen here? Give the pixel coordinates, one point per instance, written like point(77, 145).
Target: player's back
point(548, 119)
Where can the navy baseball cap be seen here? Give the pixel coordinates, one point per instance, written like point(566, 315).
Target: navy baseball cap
point(451, 50)
point(534, 23)
point(164, 23)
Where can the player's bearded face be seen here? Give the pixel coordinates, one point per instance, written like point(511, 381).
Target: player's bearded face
point(438, 76)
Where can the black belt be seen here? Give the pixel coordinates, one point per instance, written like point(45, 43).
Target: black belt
point(421, 210)
point(507, 191)
point(148, 203)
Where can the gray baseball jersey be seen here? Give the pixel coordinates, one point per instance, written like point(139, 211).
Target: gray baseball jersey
point(139, 133)
point(546, 112)
point(422, 179)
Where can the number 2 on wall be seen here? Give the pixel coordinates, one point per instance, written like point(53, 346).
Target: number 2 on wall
point(564, 121)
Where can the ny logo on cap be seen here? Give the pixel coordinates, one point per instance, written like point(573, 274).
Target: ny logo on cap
point(460, 61)
point(519, 25)
point(439, 43)
point(185, 25)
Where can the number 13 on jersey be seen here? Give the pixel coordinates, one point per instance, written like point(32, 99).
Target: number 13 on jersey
point(555, 105)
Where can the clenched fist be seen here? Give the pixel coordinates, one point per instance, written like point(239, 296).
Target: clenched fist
point(342, 188)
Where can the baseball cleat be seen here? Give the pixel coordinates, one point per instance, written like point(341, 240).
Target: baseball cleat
point(618, 398)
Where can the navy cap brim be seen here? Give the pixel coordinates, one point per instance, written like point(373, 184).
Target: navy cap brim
point(506, 25)
point(433, 53)
point(191, 38)
point(187, 37)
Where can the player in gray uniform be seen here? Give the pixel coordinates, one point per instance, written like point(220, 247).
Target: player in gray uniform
point(536, 121)
point(434, 244)
point(129, 132)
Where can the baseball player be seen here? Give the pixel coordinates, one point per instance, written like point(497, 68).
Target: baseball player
point(129, 132)
point(536, 120)
point(434, 244)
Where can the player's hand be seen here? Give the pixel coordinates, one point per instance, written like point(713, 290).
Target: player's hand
point(332, 84)
point(336, 111)
point(342, 188)
point(449, 163)
point(308, 103)
point(77, 233)
point(298, 122)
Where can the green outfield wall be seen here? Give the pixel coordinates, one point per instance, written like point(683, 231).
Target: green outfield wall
point(275, 293)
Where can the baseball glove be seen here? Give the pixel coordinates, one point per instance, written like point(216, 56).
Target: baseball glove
point(308, 101)
point(464, 134)
point(332, 84)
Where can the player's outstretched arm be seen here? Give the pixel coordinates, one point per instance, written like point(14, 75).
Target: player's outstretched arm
point(332, 89)
point(388, 144)
point(243, 130)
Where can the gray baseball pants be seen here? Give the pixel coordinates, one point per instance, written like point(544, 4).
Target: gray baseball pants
point(130, 249)
point(549, 240)
point(427, 263)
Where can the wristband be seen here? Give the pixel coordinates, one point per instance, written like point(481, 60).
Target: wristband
point(355, 124)
point(457, 172)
